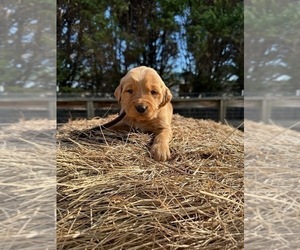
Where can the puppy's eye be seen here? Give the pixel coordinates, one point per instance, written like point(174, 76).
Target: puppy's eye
point(130, 91)
point(153, 92)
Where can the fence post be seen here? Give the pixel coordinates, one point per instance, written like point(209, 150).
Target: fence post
point(265, 110)
point(222, 110)
point(51, 110)
point(90, 109)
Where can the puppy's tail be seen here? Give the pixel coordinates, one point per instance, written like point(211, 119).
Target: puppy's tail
point(90, 132)
point(109, 124)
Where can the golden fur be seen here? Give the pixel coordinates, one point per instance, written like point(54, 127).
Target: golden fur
point(146, 101)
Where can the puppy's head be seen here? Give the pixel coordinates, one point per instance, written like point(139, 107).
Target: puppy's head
point(142, 93)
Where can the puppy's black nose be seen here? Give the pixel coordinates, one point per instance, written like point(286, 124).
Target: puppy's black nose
point(141, 108)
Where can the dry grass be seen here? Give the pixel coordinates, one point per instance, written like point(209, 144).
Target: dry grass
point(272, 196)
point(111, 195)
point(27, 185)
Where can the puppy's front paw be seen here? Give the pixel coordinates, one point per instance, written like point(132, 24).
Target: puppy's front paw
point(160, 152)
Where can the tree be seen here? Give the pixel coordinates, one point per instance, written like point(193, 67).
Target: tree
point(272, 42)
point(98, 41)
point(82, 44)
point(27, 45)
point(215, 41)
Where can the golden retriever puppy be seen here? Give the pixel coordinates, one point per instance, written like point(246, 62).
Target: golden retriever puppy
point(146, 101)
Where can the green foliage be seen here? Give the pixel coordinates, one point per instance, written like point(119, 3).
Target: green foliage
point(272, 39)
point(215, 39)
point(98, 41)
point(27, 45)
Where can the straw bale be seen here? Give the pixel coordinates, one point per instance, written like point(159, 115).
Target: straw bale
point(272, 196)
point(28, 185)
point(112, 195)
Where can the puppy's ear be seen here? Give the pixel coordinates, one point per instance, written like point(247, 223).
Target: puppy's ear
point(167, 96)
point(118, 92)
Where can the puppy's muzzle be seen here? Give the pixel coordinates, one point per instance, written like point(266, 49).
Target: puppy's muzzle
point(141, 108)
